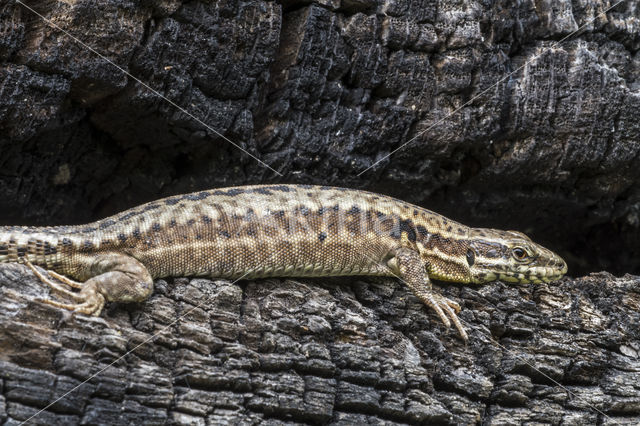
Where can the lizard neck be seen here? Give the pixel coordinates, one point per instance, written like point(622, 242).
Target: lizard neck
point(443, 245)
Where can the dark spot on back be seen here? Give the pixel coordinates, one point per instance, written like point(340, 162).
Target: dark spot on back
point(129, 215)
point(87, 245)
point(149, 207)
point(156, 227)
point(354, 210)
point(172, 223)
point(199, 196)
point(66, 242)
point(122, 237)
point(224, 233)
point(233, 192)
point(322, 236)
point(422, 230)
point(136, 233)
point(407, 226)
point(88, 230)
point(281, 188)
point(262, 191)
point(449, 228)
point(190, 222)
point(206, 219)
point(321, 211)
point(171, 201)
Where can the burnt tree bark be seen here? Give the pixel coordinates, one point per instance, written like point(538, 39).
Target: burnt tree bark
point(321, 90)
point(339, 351)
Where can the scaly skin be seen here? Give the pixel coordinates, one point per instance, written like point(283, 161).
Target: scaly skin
point(273, 231)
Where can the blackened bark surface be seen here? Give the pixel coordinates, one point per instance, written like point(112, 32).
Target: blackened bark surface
point(321, 90)
point(324, 351)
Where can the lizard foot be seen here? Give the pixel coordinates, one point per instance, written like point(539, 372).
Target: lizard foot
point(447, 311)
point(90, 307)
point(114, 277)
point(89, 302)
point(55, 286)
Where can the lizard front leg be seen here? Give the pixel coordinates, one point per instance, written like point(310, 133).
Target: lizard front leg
point(411, 269)
point(114, 278)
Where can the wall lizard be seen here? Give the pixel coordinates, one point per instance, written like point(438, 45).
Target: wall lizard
point(272, 231)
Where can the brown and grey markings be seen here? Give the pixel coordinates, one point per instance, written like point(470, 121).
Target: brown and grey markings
point(274, 230)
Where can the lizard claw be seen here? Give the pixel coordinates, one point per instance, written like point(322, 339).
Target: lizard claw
point(55, 286)
point(90, 307)
point(89, 302)
point(452, 304)
point(452, 309)
point(447, 311)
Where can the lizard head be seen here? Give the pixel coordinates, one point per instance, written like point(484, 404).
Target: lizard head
point(510, 256)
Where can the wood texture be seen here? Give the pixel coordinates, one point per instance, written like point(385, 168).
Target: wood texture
point(320, 351)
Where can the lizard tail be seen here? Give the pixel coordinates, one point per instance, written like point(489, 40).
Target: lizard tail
point(39, 246)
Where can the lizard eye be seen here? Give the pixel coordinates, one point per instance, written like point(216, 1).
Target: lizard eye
point(519, 253)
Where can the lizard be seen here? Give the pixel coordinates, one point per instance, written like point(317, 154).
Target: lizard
point(263, 231)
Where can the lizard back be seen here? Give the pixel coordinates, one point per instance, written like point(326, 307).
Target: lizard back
point(249, 231)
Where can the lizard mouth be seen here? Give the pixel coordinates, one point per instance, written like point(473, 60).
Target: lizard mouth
point(536, 274)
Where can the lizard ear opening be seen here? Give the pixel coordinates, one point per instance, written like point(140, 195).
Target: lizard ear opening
point(471, 257)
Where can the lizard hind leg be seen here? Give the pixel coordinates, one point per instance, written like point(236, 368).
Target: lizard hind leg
point(114, 278)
